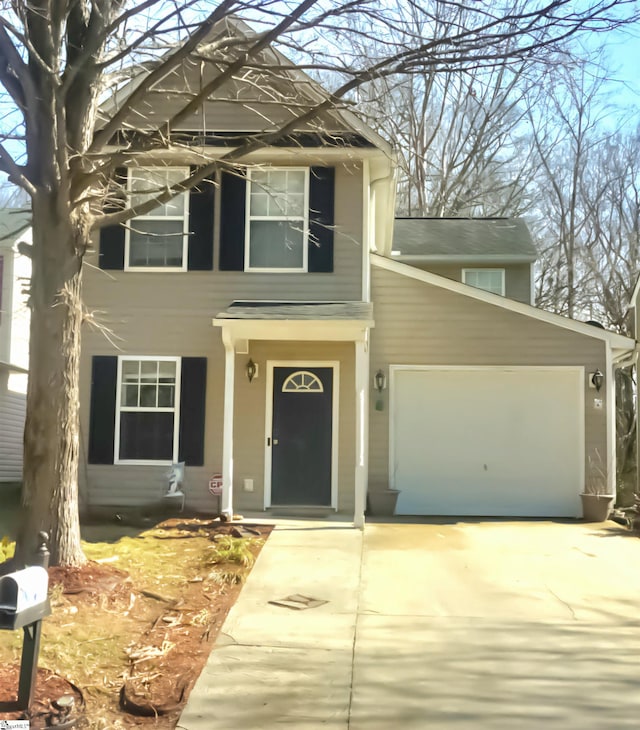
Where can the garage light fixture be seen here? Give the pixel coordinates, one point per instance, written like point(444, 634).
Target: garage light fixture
point(596, 380)
point(380, 381)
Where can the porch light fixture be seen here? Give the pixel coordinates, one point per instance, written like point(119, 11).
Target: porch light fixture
point(252, 370)
point(380, 381)
point(597, 379)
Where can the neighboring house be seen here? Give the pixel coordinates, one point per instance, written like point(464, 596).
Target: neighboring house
point(250, 317)
point(15, 271)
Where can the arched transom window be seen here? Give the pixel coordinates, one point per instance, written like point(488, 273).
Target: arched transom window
point(302, 381)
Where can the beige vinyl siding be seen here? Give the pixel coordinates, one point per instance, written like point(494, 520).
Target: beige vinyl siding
point(122, 485)
point(420, 324)
point(239, 106)
point(12, 412)
point(170, 314)
point(517, 277)
point(249, 435)
point(121, 294)
point(343, 284)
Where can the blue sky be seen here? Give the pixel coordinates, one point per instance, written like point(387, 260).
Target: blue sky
point(623, 51)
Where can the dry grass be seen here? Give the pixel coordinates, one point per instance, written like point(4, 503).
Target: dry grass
point(92, 640)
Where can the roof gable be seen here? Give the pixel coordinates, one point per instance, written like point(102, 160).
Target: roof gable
point(267, 93)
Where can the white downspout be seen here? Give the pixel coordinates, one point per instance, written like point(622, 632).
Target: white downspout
point(367, 207)
point(227, 429)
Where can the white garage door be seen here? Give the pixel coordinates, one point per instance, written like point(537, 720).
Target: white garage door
point(488, 441)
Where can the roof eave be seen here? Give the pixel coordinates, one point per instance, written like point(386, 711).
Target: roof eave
point(463, 258)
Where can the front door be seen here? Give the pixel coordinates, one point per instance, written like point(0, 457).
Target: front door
point(301, 436)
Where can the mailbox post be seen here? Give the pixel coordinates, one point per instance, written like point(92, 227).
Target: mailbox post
point(23, 605)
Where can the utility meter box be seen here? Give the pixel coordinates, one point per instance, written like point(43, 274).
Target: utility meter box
point(23, 597)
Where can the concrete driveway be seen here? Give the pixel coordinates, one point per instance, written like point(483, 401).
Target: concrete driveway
point(463, 625)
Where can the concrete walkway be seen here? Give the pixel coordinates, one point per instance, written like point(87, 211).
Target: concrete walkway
point(469, 625)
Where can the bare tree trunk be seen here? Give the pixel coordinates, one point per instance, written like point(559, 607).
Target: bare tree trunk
point(51, 437)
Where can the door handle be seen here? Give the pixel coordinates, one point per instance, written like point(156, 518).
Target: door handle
point(275, 442)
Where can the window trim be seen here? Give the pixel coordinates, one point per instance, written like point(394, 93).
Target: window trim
point(305, 223)
point(476, 269)
point(184, 217)
point(175, 410)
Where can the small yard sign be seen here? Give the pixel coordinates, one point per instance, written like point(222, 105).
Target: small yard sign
point(215, 485)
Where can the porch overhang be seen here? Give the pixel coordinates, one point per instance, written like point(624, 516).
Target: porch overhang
point(302, 322)
point(305, 321)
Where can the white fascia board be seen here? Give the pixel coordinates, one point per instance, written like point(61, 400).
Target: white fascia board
point(622, 358)
point(616, 341)
point(462, 259)
point(180, 155)
point(288, 329)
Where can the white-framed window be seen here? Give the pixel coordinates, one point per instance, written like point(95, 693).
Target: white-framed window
point(157, 241)
point(277, 225)
point(147, 410)
point(491, 280)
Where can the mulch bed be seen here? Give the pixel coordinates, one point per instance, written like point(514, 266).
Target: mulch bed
point(48, 688)
point(164, 659)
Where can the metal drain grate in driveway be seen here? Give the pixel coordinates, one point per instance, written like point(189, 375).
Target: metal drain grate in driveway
point(298, 602)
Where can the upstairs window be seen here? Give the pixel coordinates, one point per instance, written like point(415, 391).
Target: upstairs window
point(491, 280)
point(277, 226)
point(157, 240)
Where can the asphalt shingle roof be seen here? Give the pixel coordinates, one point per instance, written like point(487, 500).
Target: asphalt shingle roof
point(12, 222)
point(463, 238)
point(299, 311)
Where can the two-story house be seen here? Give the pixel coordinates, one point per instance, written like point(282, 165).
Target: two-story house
point(15, 270)
point(268, 326)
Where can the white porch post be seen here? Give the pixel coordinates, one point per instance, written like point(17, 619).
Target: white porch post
point(227, 430)
point(362, 431)
point(610, 385)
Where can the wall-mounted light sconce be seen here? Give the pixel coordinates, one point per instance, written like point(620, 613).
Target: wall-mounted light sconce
point(596, 380)
point(380, 381)
point(252, 370)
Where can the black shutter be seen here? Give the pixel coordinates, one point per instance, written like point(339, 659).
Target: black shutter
point(193, 390)
point(102, 418)
point(112, 237)
point(321, 218)
point(201, 210)
point(233, 206)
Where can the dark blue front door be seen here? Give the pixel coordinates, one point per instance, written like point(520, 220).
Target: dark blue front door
point(301, 436)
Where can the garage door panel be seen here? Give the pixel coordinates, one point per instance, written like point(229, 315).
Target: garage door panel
point(488, 442)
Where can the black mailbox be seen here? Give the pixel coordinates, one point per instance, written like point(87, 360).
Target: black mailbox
point(23, 597)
